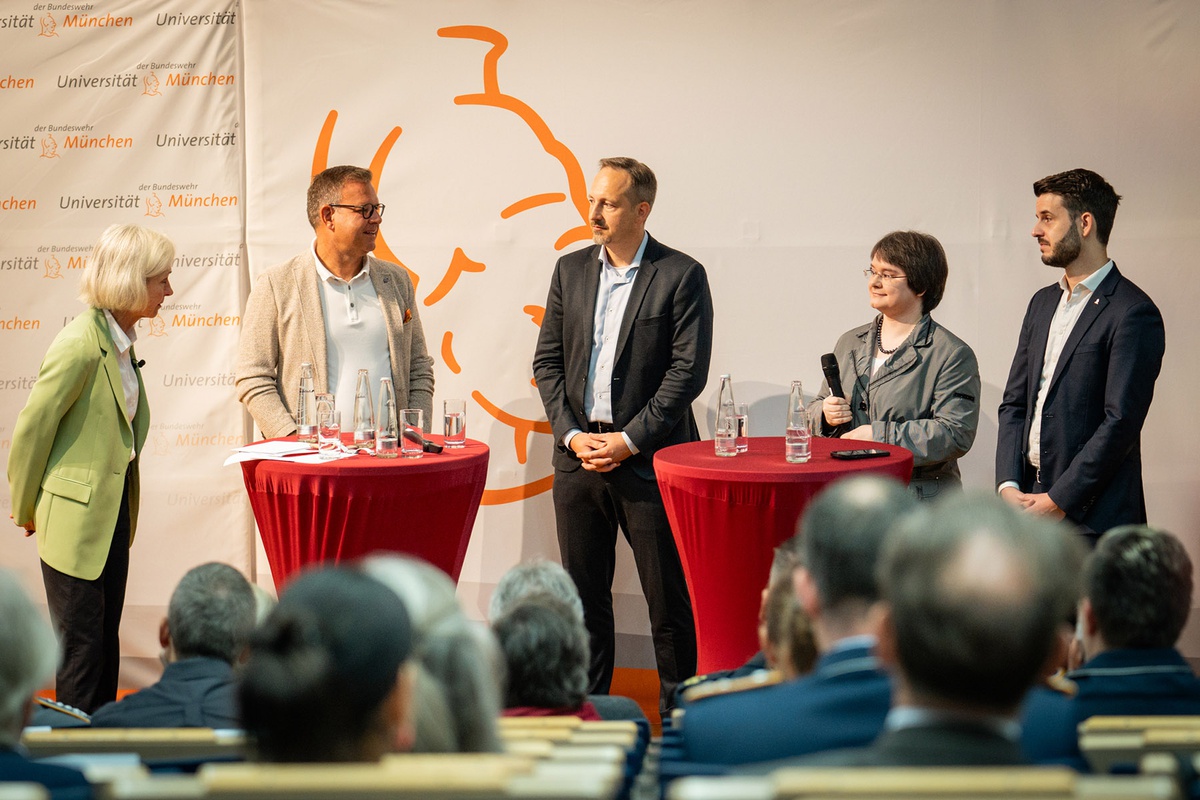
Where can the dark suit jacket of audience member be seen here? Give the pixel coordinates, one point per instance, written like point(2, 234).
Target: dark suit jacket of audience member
point(63, 783)
point(1149, 682)
point(193, 693)
point(940, 744)
point(841, 703)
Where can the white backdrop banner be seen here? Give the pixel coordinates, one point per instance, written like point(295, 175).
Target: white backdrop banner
point(787, 135)
point(131, 112)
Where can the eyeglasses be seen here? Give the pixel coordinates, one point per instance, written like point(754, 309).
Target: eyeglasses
point(366, 209)
point(887, 276)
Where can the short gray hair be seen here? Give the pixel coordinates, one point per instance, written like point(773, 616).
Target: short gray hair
point(546, 649)
point(124, 258)
point(534, 577)
point(327, 185)
point(211, 613)
point(28, 655)
point(978, 592)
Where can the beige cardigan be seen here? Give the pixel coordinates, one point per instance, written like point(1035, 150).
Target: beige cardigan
point(283, 327)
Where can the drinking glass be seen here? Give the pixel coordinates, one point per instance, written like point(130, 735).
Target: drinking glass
point(411, 419)
point(329, 432)
point(741, 432)
point(454, 423)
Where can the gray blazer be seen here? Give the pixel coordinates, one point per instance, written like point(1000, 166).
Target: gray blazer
point(925, 397)
point(283, 326)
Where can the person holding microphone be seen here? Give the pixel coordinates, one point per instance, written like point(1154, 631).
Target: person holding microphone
point(73, 464)
point(907, 380)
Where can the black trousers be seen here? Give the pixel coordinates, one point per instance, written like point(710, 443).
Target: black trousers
point(589, 508)
point(87, 615)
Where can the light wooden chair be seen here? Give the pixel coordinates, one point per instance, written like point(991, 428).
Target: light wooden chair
point(23, 791)
point(1111, 742)
point(149, 744)
point(885, 783)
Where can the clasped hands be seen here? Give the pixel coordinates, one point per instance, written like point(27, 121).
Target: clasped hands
point(837, 412)
point(600, 452)
point(1039, 504)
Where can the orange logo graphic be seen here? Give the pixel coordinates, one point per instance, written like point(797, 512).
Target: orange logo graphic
point(53, 268)
point(162, 445)
point(461, 264)
point(49, 147)
point(154, 206)
point(49, 26)
point(158, 326)
point(150, 84)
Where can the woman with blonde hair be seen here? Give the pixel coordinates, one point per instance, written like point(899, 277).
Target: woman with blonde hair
point(73, 465)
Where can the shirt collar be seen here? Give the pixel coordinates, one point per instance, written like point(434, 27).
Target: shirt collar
point(902, 717)
point(1091, 281)
point(637, 257)
point(324, 274)
point(121, 340)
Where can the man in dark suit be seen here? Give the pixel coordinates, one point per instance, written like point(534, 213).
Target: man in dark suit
point(208, 624)
point(622, 353)
point(1083, 374)
point(843, 702)
point(973, 598)
point(1137, 593)
point(28, 655)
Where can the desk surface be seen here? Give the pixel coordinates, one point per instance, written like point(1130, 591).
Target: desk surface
point(348, 508)
point(728, 514)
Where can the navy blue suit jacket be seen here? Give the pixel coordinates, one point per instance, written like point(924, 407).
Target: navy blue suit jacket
point(1097, 401)
point(842, 703)
point(63, 783)
point(663, 349)
point(193, 693)
point(1151, 682)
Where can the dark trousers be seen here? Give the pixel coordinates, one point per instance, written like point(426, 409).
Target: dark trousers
point(87, 615)
point(589, 508)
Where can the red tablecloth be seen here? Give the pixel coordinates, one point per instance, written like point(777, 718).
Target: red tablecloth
point(343, 509)
point(728, 514)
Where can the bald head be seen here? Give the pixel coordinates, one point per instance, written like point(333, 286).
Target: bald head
point(977, 592)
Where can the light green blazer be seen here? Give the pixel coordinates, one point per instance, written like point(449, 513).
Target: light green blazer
point(70, 449)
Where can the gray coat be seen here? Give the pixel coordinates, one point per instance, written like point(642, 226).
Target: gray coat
point(925, 397)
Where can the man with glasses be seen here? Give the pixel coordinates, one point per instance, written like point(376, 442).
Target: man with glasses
point(1081, 381)
point(335, 306)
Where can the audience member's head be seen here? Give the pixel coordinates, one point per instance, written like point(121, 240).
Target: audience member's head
point(1137, 591)
point(458, 679)
point(842, 532)
point(327, 678)
point(546, 651)
point(786, 637)
point(210, 615)
point(28, 656)
point(534, 577)
point(784, 633)
point(975, 593)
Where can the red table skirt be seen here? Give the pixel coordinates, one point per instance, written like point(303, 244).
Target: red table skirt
point(728, 515)
point(344, 509)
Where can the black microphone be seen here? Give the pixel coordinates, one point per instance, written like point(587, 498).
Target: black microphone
point(140, 364)
point(829, 366)
point(414, 435)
